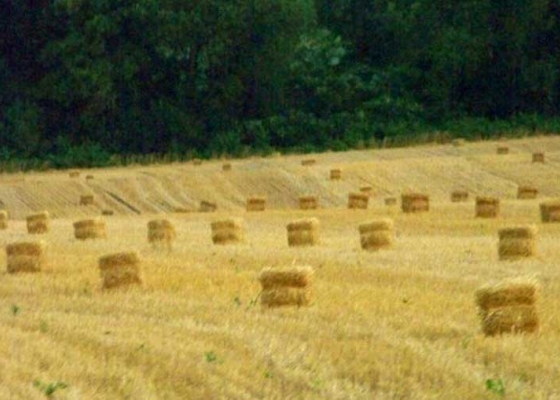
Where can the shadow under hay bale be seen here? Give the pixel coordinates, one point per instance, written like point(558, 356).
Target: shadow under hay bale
point(358, 201)
point(526, 192)
point(228, 231)
point(38, 223)
point(336, 174)
point(90, 229)
point(25, 257)
point(377, 234)
point(538, 158)
point(487, 207)
point(256, 204)
point(120, 269)
point(87, 200)
point(508, 307)
point(415, 203)
point(308, 203)
point(390, 201)
point(502, 150)
point(161, 232)
point(286, 286)
point(459, 196)
point(518, 242)
point(74, 174)
point(3, 220)
point(308, 162)
point(226, 167)
point(303, 232)
point(207, 206)
point(550, 211)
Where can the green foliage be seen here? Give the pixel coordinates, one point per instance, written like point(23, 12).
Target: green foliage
point(211, 356)
point(49, 389)
point(496, 386)
point(15, 309)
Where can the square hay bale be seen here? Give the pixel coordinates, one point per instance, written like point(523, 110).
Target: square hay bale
point(303, 232)
point(368, 190)
point(358, 201)
point(502, 150)
point(517, 242)
point(459, 196)
point(256, 204)
point(161, 232)
point(336, 174)
point(226, 167)
point(390, 201)
point(377, 234)
point(87, 200)
point(38, 223)
point(538, 157)
point(89, 177)
point(487, 207)
point(286, 286)
point(90, 229)
point(308, 162)
point(550, 211)
point(415, 203)
point(308, 203)
point(107, 212)
point(74, 174)
point(207, 206)
point(120, 269)
point(181, 210)
point(514, 319)
point(197, 161)
point(527, 192)
point(509, 292)
point(3, 219)
point(25, 256)
point(228, 231)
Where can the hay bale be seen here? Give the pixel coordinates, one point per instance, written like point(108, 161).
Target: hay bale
point(89, 177)
point(390, 201)
point(86, 200)
point(550, 211)
point(308, 203)
point(358, 201)
point(303, 232)
point(3, 219)
point(415, 202)
point(90, 229)
point(502, 150)
point(25, 256)
point(487, 207)
point(336, 174)
point(207, 206)
point(228, 231)
point(458, 142)
point(308, 162)
point(161, 232)
point(107, 212)
point(527, 192)
point(517, 242)
point(226, 167)
point(367, 190)
point(74, 174)
point(120, 269)
point(197, 161)
point(256, 204)
point(38, 223)
point(459, 196)
point(377, 234)
point(538, 158)
point(286, 286)
point(508, 307)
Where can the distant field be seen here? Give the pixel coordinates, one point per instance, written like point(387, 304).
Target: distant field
point(395, 324)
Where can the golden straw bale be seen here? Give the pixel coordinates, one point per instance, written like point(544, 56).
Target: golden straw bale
point(3, 219)
point(256, 204)
point(502, 150)
point(303, 232)
point(487, 207)
point(550, 211)
point(377, 234)
point(510, 292)
point(390, 201)
point(161, 232)
point(415, 202)
point(308, 162)
point(526, 192)
point(458, 196)
point(308, 203)
point(336, 174)
point(228, 231)
point(513, 319)
point(38, 223)
point(226, 167)
point(538, 157)
point(358, 201)
point(107, 212)
point(25, 256)
point(89, 177)
point(517, 242)
point(90, 229)
point(207, 206)
point(74, 174)
point(120, 269)
point(86, 200)
point(287, 277)
point(366, 190)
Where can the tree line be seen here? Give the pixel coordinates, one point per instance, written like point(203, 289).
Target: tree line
point(83, 79)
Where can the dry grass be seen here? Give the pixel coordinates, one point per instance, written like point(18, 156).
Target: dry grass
point(394, 324)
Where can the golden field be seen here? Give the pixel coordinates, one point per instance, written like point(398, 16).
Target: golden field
point(399, 323)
